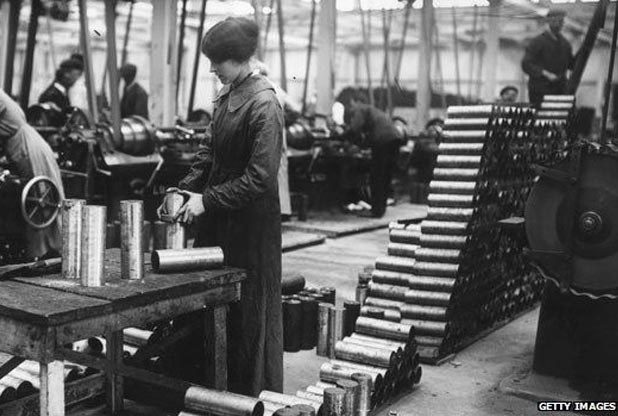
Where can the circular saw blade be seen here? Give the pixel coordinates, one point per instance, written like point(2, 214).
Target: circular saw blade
point(592, 257)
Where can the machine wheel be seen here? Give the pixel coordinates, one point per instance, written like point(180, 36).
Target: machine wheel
point(40, 202)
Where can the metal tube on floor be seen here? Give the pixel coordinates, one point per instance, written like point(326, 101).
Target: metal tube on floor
point(446, 255)
point(401, 249)
point(449, 214)
point(434, 313)
point(333, 372)
point(146, 235)
point(423, 297)
point(352, 311)
point(72, 238)
point(335, 331)
point(334, 402)
point(131, 239)
point(93, 245)
point(392, 315)
point(384, 329)
point(429, 340)
point(443, 241)
point(455, 174)
point(436, 269)
point(463, 123)
point(395, 264)
point(363, 393)
point(309, 396)
point(432, 328)
point(458, 148)
point(383, 303)
point(444, 227)
point(205, 400)
point(350, 400)
point(136, 336)
point(364, 354)
point(179, 260)
point(375, 345)
point(452, 187)
point(386, 291)
point(305, 410)
point(292, 325)
point(404, 236)
point(323, 326)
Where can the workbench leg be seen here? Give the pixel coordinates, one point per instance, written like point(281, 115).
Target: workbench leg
point(215, 342)
point(115, 382)
point(52, 388)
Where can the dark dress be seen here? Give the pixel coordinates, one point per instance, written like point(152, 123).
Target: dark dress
point(377, 131)
point(551, 53)
point(134, 101)
point(53, 94)
point(237, 176)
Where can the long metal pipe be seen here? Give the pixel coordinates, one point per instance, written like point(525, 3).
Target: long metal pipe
point(323, 329)
point(93, 245)
point(335, 328)
point(384, 329)
point(178, 260)
point(364, 354)
point(131, 239)
point(72, 237)
point(196, 57)
point(204, 400)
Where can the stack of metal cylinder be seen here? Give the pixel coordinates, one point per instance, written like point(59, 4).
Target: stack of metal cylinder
point(458, 273)
point(556, 109)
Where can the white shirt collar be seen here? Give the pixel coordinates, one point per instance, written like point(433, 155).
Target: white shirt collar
point(60, 87)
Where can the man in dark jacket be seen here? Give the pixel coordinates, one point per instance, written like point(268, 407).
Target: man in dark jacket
point(134, 100)
point(547, 59)
point(373, 128)
point(57, 93)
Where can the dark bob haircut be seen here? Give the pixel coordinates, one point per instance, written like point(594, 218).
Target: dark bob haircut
point(509, 88)
point(234, 38)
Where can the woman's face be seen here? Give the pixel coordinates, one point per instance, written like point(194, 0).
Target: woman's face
point(227, 71)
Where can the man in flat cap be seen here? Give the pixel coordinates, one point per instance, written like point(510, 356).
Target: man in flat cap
point(134, 101)
point(547, 59)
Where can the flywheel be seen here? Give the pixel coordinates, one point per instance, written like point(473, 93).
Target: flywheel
point(40, 202)
point(571, 219)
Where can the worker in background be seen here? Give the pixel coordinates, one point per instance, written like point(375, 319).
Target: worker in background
point(134, 100)
point(78, 94)
point(508, 95)
point(232, 193)
point(57, 94)
point(293, 109)
point(547, 59)
point(30, 156)
point(373, 128)
point(425, 152)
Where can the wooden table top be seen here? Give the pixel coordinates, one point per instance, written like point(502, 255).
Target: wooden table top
point(52, 300)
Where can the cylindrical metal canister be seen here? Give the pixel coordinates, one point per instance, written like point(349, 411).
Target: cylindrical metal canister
point(401, 249)
point(332, 372)
point(434, 313)
point(383, 303)
point(352, 311)
point(350, 400)
point(93, 245)
point(380, 341)
point(175, 236)
point(395, 264)
point(398, 350)
point(372, 312)
point(384, 329)
point(309, 396)
point(286, 411)
point(323, 327)
point(363, 393)
point(431, 328)
point(385, 291)
point(291, 284)
point(180, 260)
point(292, 325)
point(136, 336)
point(362, 291)
point(335, 328)
point(424, 297)
point(22, 387)
point(364, 354)
point(204, 400)
point(309, 322)
point(334, 402)
point(159, 235)
point(72, 238)
point(131, 240)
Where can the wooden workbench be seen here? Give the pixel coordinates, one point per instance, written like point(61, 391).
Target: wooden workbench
point(39, 316)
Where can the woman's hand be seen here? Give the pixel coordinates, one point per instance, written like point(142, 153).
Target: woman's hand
point(192, 208)
point(162, 210)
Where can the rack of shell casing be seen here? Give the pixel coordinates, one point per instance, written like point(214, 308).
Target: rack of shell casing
point(458, 274)
point(556, 109)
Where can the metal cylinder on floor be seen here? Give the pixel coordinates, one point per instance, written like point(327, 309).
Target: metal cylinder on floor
point(131, 239)
point(287, 399)
point(330, 294)
point(292, 325)
point(335, 331)
point(180, 260)
point(304, 409)
point(205, 400)
point(310, 317)
point(72, 237)
point(350, 400)
point(334, 402)
point(93, 245)
point(352, 311)
point(364, 354)
point(384, 329)
point(363, 393)
point(323, 329)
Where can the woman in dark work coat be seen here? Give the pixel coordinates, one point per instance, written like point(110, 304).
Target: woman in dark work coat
point(234, 197)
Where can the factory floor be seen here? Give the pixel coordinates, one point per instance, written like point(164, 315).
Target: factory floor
point(467, 384)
